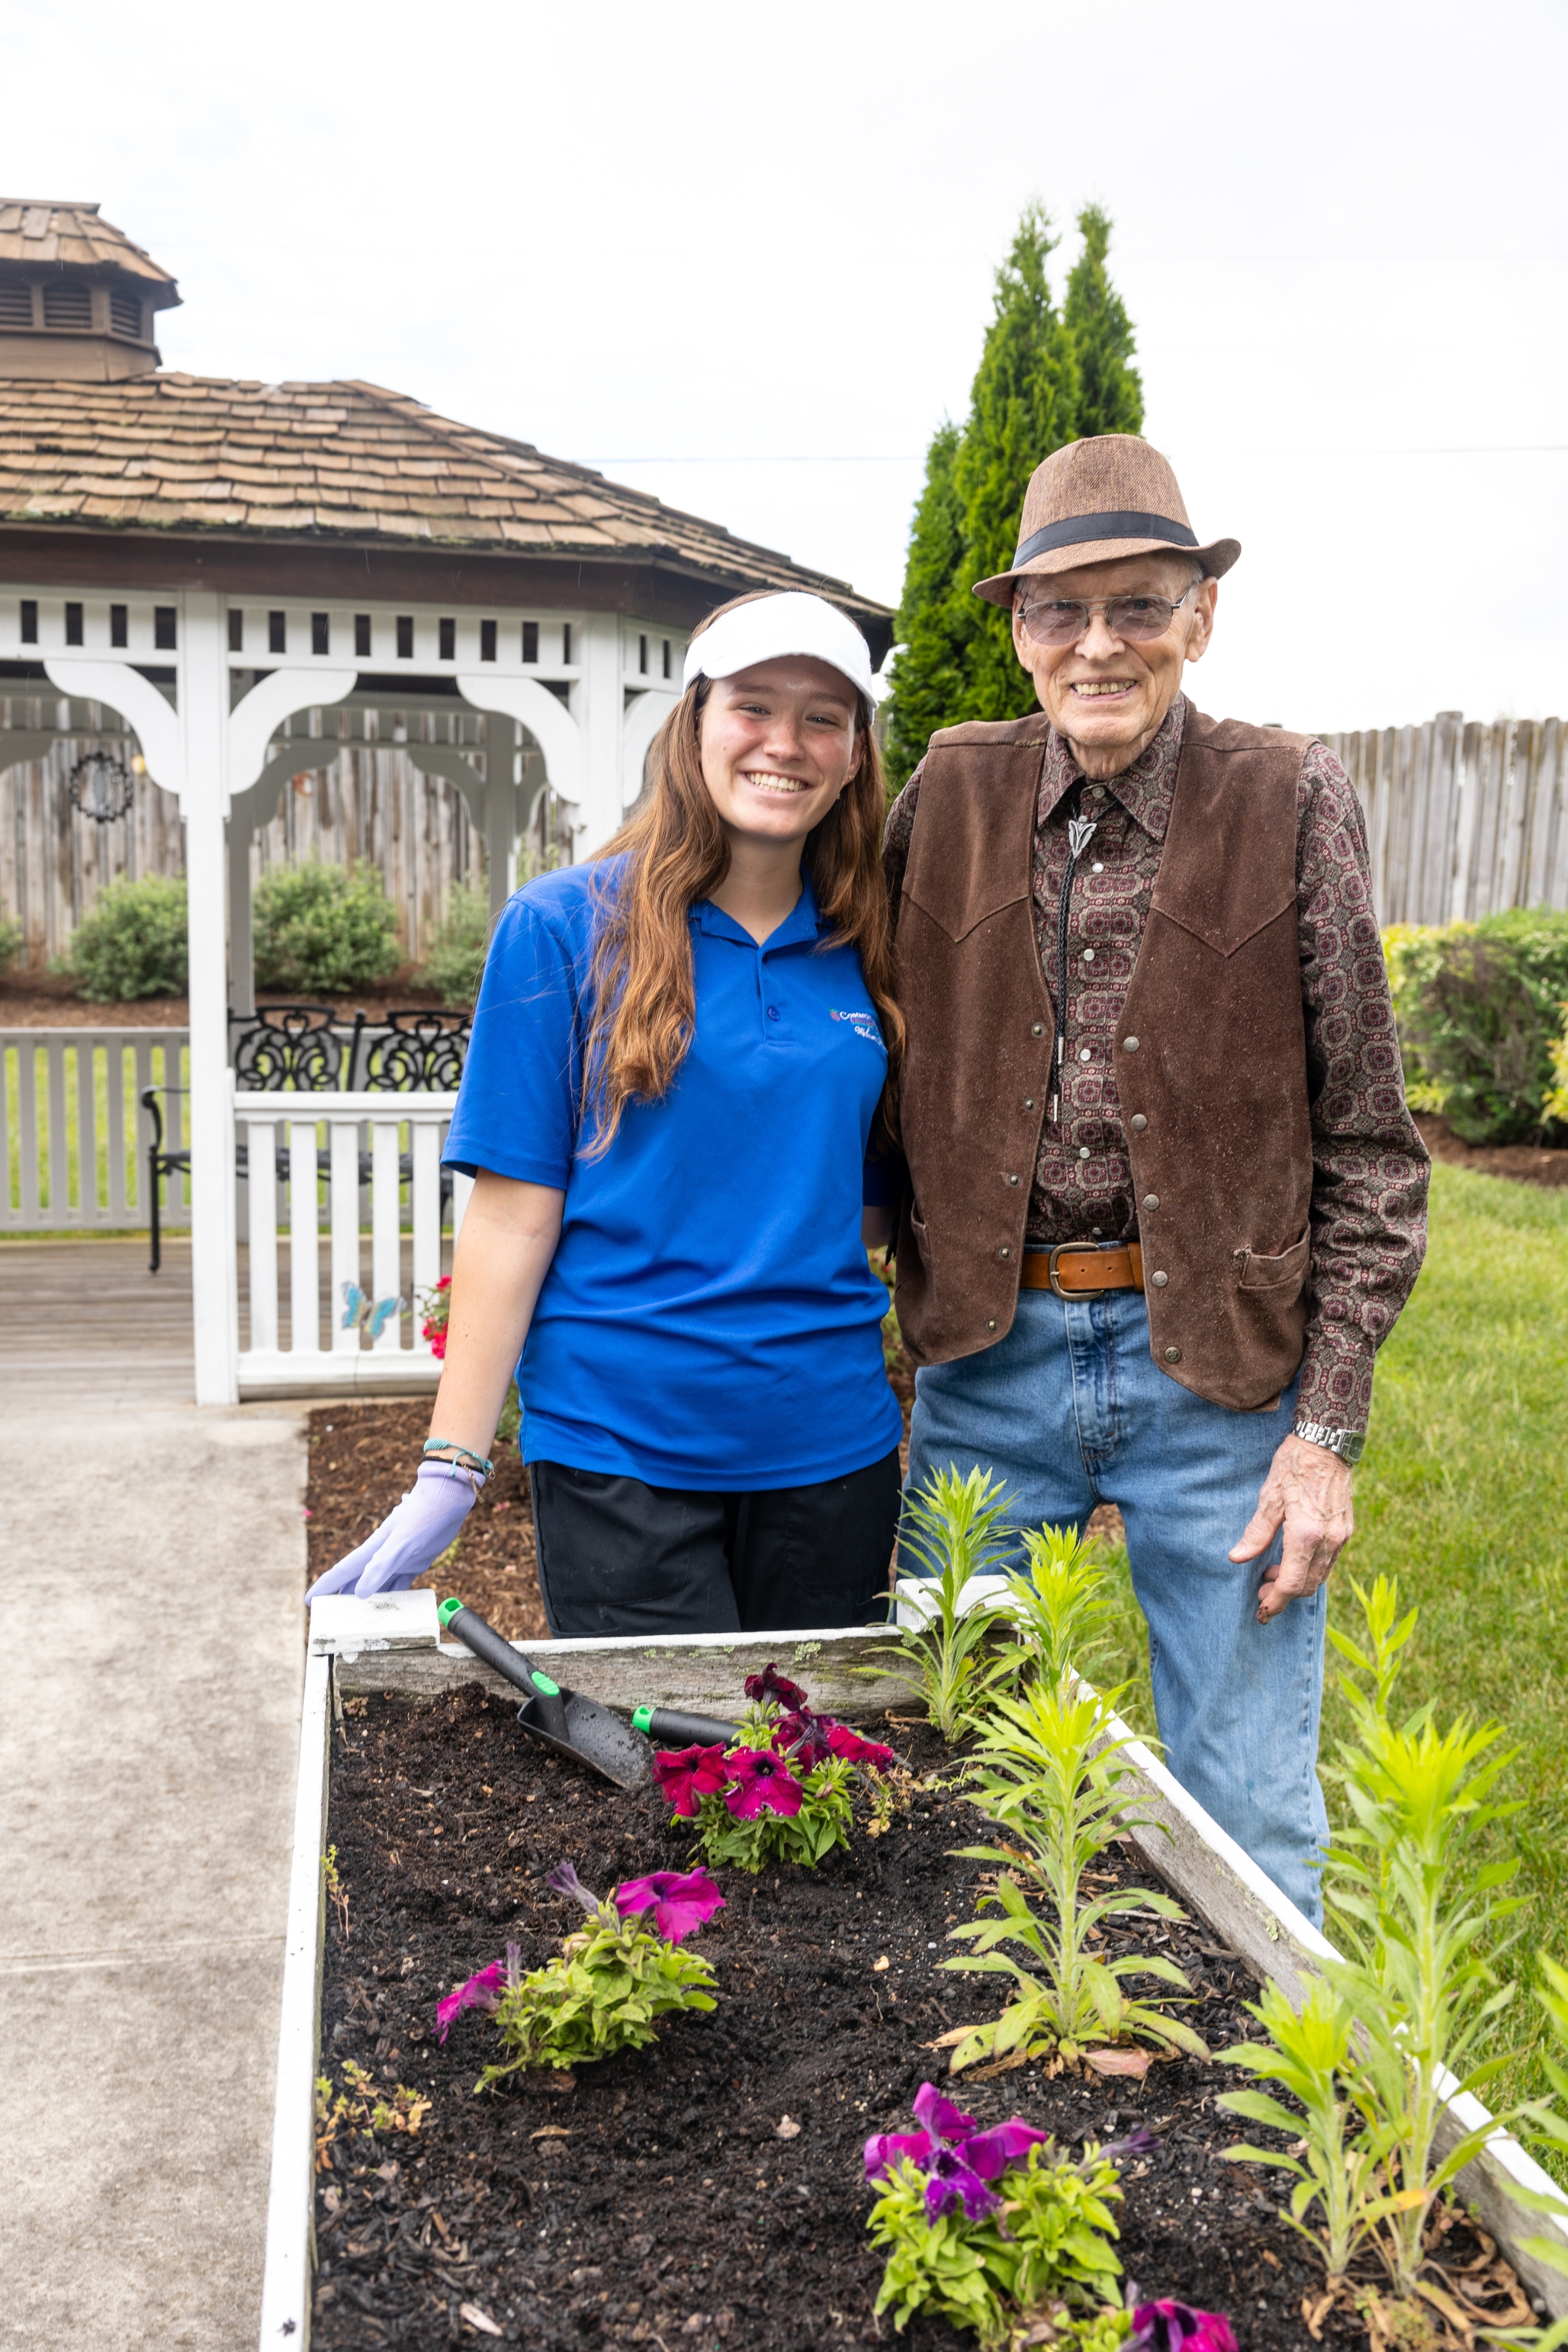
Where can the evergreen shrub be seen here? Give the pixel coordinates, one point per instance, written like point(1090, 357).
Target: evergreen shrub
point(1480, 1009)
point(322, 928)
point(132, 943)
point(456, 958)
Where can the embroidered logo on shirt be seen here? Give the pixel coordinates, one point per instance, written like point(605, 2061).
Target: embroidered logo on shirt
point(864, 1024)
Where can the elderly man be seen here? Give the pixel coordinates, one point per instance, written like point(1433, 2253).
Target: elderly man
point(1165, 1197)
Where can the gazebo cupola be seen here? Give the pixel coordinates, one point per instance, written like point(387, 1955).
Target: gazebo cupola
point(77, 298)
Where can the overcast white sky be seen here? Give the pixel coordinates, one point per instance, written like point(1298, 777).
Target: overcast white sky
point(742, 258)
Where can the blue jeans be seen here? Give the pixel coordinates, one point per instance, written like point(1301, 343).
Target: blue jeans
point(1070, 1411)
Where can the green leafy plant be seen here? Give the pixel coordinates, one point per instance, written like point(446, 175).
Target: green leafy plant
point(132, 944)
point(12, 939)
point(1311, 2054)
point(322, 927)
point(361, 2110)
point(1479, 1010)
point(953, 1527)
point(1415, 1908)
point(609, 1985)
point(780, 1791)
point(1556, 1102)
point(456, 962)
point(1050, 1775)
point(1062, 1608)
point(986, 2228)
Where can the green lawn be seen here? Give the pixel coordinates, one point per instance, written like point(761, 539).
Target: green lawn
point(1463, 1495)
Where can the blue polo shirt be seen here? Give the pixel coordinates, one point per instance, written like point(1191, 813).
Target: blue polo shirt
point(708, 1319)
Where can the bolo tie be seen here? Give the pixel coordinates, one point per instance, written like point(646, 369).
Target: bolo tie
point(1080, 833)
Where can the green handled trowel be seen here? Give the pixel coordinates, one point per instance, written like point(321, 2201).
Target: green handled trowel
point(559, 1718)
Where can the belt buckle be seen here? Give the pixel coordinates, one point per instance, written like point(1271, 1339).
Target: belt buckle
point(1051, 1274)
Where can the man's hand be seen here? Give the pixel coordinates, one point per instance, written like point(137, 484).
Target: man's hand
point(1308, 1489)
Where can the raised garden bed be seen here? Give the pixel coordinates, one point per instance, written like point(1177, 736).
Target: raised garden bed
point(658, 2200)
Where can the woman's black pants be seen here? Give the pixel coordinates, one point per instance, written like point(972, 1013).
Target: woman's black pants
point(619, 1557)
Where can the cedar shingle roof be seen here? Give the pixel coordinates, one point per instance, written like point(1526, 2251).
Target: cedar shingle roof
point(340, 462)
point(72, 236)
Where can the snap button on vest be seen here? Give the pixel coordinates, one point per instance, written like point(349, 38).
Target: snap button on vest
point(1173, 1355)
point(1159, 1280)
point(1037, 1029)
point(1004, 1251)
point(1137, 1122)
point(1130, 1044)
point(1011, 1179)
point(1151, 1200)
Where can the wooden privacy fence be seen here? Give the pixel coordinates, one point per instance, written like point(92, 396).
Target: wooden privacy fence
point(1463, 819)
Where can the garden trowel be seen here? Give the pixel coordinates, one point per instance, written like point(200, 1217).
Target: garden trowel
point(561, 1719)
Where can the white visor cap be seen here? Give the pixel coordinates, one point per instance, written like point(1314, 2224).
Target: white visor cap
point(773, 626)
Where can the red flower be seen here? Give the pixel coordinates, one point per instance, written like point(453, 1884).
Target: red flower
point(770, 1684)
point(685, 1774)
point(856, 1750)
point(763, 1781)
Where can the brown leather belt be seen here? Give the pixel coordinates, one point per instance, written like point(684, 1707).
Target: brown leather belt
point(1073, 1270)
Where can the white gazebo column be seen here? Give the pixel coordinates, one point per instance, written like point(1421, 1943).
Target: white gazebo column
point(601, 695)
point(204, 724)
point(501, 808)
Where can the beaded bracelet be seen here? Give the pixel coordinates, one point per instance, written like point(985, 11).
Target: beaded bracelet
point(464, 1455)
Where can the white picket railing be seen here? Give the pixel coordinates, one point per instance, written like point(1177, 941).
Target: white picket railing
point(320, 1202)
point(73, 1135)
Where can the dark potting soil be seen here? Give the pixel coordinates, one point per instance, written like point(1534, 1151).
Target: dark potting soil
point(659, 2202)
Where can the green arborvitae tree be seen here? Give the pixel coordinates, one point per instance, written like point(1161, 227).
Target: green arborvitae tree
point(930, 673)
point(1110, 389)
point(1044, 377)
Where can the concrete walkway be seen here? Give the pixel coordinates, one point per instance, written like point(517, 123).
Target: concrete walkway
point(151, 1564)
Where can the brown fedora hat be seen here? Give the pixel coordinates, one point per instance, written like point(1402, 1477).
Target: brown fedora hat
point(1093, 501)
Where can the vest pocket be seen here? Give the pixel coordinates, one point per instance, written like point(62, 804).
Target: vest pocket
point(1287, 1271)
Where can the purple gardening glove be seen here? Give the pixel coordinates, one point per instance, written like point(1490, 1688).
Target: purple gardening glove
point(410, 1539)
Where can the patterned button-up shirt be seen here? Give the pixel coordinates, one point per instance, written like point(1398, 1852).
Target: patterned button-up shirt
point(1368, 1164)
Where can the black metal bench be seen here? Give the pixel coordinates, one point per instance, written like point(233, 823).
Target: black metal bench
point(305, 1049)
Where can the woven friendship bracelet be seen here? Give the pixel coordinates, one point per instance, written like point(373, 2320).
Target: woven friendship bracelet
point(465, 1457)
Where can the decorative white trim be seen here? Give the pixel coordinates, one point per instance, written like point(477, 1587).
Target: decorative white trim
point(145, 709)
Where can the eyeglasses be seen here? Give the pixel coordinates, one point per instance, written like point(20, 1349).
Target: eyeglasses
point(1136, 620)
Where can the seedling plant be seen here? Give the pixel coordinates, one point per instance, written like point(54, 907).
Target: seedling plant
point(1051, 1777)
point(947, 1658)
point(610, 1983)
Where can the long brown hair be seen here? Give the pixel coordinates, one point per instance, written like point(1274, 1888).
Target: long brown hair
point(644, 1001)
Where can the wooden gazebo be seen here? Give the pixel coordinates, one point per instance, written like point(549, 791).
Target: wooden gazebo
point(240, 579)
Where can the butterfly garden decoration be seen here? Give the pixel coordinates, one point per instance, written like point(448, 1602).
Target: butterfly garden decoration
point(366, 1314)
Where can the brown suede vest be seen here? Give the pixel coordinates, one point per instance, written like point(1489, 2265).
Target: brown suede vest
point(1214, 1092)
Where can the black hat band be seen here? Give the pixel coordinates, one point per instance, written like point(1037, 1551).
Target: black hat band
point(1080, 531)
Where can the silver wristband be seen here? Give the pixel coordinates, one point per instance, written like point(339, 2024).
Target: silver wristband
point(1346, 1442)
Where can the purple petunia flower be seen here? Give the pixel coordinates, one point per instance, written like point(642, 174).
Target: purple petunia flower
point(680, 1902)
point(1139, 2141)
point(763, 1781)
point(949, 2179)
point(684, 1775)
point(481, 1992)
point(1177, 2328)
point(804, 1737)
point(770, 1684)
point(566, 1881)
point(957, 2160)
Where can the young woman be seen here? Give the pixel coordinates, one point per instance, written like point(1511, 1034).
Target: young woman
point(678, 1060)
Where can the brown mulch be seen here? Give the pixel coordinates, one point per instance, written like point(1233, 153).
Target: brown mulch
point(34, 1000)
point(363, 1457)
point(657, 2201)
point(1526, 1164)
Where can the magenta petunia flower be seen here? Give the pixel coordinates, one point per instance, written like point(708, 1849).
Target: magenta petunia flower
point(989, 2153)
point(770, 1684)
point(481, 1992)
point(949, 2179)
point(804, 1737)
point(884, 2150)
point(1177, 2328)
point(566, 1881)
point(685, 1775)
point(856, 1750)
point(764, 1782)
point(940, 2117)
point(680, 1903)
